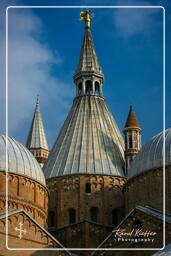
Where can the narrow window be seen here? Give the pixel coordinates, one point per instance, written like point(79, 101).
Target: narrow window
point(88, 188)
point(130, 142)
point(79, 88)
point(115, 217)
point(97, 90)
point(126, 146)
point(94, 214)
point(72, 216)
point(51, 219)
point(88, 87)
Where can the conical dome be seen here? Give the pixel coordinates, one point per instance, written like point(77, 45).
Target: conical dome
point(89, 141)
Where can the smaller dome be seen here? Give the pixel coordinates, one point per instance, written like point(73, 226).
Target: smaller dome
point(20, 160)
point(151, 154)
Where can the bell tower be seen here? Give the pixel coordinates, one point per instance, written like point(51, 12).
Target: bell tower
point(88, 76)
point(132, 134)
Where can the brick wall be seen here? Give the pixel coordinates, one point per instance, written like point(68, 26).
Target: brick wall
point(24, 193)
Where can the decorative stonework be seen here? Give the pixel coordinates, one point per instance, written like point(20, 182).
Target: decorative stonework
point(35, 237)
point(25, 194)
point(20, 230)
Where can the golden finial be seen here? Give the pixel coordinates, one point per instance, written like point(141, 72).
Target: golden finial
point(87, 15)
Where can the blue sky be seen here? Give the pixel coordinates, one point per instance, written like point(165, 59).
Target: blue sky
point(44, 46)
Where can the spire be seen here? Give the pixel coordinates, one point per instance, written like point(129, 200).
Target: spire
point(131, 119)
point(88, 61)
point(36, 141)
point(88, 68)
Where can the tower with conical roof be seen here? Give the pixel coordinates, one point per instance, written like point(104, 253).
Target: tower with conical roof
point(85, 168)
point(36, 140)
point(132, 134)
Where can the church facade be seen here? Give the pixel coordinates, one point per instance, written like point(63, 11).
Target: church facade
point(93, 189)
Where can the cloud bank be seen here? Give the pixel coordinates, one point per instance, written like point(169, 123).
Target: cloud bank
point(30, 64)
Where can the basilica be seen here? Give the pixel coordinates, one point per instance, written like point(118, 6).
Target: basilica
point(95, 192)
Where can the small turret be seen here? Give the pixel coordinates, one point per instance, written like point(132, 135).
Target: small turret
point(132, 134)
point(36, 141)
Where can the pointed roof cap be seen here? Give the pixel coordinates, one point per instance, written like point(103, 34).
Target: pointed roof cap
point(37, 137)
point(88, 61)
point(131, 119)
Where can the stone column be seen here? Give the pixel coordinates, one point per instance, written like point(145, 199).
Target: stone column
point(83, 86)
point(93, 86)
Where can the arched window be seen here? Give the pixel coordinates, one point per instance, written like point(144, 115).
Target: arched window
point(94, 214)
point(51, 219)
point(97, 88)
point(88, 85)
point(130, 142)
point(88, 188)
point(126, 141)
point(72, 215)
point(79, 88)
point(115, 217)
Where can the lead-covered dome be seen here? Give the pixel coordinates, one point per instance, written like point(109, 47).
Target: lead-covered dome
point(20, 160)
point(89, 142)
point(151, 154)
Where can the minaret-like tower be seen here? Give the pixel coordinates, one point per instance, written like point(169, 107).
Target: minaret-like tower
point(36, 141)
point(88, 77)
point(132, 134)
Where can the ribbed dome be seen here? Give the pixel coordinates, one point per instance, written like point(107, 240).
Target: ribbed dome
point(151, 154)
point(20, 160)
point(89, 142)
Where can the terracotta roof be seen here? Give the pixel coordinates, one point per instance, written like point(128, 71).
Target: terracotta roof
point(131, 120)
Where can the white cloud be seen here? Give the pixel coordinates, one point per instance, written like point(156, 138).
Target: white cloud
point(30, 62)
point(130, 21)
